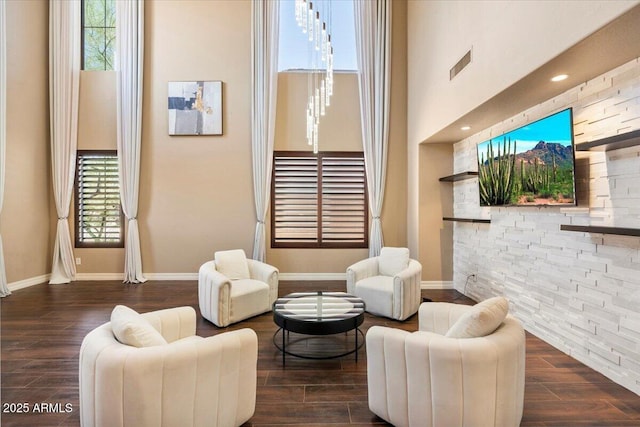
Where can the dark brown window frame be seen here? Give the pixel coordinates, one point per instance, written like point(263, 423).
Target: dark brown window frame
point(82, 32)
point(76, 205)
point(319, 243)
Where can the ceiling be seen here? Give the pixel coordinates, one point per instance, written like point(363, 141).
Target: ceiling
point(611, 46)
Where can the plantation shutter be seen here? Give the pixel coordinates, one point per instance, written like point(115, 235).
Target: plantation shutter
point(344, 204)
point(295, 199)
point(98, 221)
point(318, 201)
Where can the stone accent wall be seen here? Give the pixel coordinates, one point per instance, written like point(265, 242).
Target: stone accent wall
point(578, 291)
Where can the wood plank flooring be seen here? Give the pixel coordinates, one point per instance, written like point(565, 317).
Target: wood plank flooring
point(42, 328)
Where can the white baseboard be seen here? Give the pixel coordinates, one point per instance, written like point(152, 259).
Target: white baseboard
point(148, 276)
point(436, 284)
point(21, 284)
point(194, 276)
point(99, 276)
point(312, 276)
point(171, 276)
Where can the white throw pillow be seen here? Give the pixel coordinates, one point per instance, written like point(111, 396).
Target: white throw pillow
point(481, 320)
point(392, 260)
point(130, 328)
point(232, 264)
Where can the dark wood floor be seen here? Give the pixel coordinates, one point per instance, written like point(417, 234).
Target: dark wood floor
point(42, 328)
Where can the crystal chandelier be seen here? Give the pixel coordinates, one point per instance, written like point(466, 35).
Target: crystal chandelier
point(320, 80)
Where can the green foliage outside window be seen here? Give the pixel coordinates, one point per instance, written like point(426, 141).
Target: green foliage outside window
point(99, 34)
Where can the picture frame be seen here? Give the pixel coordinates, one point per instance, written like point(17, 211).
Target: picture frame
point(195, 107)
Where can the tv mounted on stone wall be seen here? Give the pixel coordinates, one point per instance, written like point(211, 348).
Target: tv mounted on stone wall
point(532, 165)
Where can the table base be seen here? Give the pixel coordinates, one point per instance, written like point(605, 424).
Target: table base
point(285, 341)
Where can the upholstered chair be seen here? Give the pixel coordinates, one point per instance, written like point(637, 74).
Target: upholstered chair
point(148, 370)
point(464, 368)
point(232, 288)
point(389, 284)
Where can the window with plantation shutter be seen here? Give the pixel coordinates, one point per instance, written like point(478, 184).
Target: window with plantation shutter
point(319, 201)
point(98, 216)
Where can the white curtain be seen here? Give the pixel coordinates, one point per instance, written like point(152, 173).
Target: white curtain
point(4, 289)
point(373, 52)
point(129, 62)
point(264, 79)
point(64, 83)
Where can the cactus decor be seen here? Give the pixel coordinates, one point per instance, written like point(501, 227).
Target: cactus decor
point(532, 165)
point(496, 174)
point(534, 178)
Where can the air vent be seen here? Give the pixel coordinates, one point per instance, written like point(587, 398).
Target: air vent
point(466, 60)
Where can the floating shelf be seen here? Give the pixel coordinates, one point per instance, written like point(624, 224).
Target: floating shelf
point(616, 142)
point(604, 230)
point(476, 220)
point(459, 176)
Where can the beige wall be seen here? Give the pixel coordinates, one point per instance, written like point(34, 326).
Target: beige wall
point(436, 201)
point(394, 210)
point(97, 131)
point(26, 215)
point(196, 193)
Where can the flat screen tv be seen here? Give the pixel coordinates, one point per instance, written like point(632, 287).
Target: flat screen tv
point(529, 166)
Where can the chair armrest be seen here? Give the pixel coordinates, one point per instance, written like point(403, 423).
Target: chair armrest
point(438, 317)
point(173, 323)
point(214, 294)
point(406, 291)
point(413, 270)
point(387, 373)
point(361, 270)
point(265, 273)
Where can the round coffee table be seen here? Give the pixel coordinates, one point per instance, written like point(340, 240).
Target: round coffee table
point(318, 313)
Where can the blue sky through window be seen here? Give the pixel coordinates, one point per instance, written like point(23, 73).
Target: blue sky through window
point(293, 53)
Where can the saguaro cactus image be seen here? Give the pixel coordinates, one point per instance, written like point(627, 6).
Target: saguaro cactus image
point(496, 174)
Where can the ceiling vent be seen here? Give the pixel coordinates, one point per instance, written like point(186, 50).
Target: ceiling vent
point(455, 70)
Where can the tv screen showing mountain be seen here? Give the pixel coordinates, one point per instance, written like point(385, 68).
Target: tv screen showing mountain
point(529, 166)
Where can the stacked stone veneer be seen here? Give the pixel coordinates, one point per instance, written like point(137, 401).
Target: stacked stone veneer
point(578, 291)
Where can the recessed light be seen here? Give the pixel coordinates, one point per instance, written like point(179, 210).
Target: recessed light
point(465, 128)
point(559, 78)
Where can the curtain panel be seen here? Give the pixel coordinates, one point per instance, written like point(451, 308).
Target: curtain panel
point(4, 289)
point(64, 84)
point(373, 53)
point(129, 64)
point(264, 78)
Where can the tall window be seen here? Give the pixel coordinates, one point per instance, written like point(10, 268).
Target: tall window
point(98, 216)
point(293, 44)
point(98, 34)
point(319, 201)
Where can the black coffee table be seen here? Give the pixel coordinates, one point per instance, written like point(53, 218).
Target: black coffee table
point(318, 313)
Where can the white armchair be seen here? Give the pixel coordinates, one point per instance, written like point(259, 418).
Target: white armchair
point(232, 288)
point(389, 284)
point(190, 381)
point(427, 379)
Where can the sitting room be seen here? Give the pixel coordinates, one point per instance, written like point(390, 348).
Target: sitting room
point(327, 213)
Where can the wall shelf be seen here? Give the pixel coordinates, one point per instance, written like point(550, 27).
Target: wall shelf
point(474, 220)
point(604, 230)
point(616, 142)
point(459, 176)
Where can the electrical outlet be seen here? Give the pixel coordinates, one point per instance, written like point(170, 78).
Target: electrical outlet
point(78, 261)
